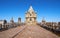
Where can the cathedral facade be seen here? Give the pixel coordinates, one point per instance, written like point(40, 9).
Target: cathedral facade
point(30, 16)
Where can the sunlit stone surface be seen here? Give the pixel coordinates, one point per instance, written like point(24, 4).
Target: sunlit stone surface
point(30, 16)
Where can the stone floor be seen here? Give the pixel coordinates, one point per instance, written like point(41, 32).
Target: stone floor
point(27, 31)
point(11, 32)
point(35, 31)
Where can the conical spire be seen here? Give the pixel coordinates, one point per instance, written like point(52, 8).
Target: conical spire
point(12, 20)
point(30, 9)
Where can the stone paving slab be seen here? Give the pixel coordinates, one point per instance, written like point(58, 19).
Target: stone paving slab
point(11, 32)
point(35, 32)
point(28, 32)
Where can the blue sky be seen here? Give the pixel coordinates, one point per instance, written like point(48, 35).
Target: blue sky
point(49, 9)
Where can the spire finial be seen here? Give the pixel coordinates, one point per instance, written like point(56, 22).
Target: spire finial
point(30, 9)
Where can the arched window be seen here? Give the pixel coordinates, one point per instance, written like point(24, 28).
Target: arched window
point(35, 18)
point(30, 19)
point(30, 14)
